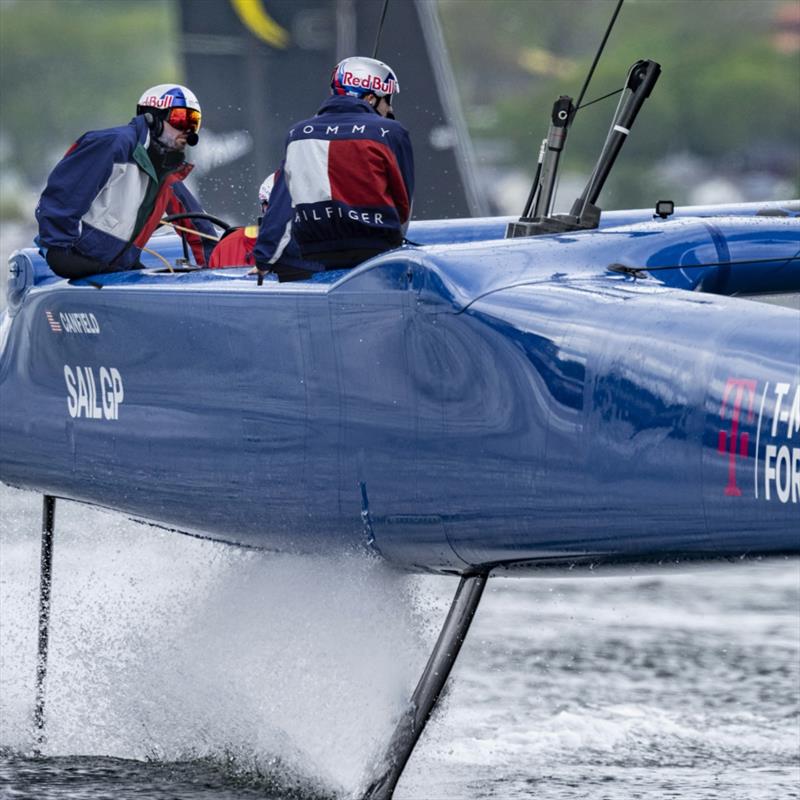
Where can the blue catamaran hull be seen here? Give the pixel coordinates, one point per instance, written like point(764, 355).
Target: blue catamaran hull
point(524, 402)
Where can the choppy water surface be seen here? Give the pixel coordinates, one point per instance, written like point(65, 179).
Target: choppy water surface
point(184, 670)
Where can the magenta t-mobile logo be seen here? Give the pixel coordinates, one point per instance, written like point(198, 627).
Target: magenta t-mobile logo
point(739, 395)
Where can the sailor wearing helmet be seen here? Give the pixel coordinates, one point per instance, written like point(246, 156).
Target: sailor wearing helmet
point(345, 191)
point(109, 192)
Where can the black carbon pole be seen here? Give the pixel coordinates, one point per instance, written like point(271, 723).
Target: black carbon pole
point(641, 79)
point(380, 29)
point(430, 686)
point(45, 580)
point(598, 54)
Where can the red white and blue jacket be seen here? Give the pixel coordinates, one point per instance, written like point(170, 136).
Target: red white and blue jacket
point(347, 183)
point(104, 198)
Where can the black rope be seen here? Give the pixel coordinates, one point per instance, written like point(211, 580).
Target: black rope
point(380, 28)
point(598, 54)
point(597, 100)
point(783, 260)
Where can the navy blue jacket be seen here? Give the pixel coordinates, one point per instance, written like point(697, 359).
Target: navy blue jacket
point(104, 199)
point(347, 183)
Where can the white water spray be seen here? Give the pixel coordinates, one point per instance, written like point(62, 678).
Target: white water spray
point(167, 647)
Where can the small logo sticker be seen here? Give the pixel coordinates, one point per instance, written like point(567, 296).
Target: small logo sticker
point(775, 459)
point(738, 397)
point(54, 324)
point(73, 322)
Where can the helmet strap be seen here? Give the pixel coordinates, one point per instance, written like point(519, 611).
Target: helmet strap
point(155, 122)
point(164, 158)
point(375, 101)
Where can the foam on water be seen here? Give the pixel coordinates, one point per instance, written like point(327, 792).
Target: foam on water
point(669, 685)
point(170, 648)
point(194, 654)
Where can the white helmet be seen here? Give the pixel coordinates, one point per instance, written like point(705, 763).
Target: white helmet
point(166, 96)
point(359, 76)
point(172, 103)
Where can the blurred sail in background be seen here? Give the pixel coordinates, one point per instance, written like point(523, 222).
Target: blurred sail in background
point(260, 65)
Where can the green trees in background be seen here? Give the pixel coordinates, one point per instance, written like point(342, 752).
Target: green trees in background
point(68, 66)
point(728, 96)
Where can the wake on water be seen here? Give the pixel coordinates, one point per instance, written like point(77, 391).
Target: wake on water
point(169, 648)
point(233, 674)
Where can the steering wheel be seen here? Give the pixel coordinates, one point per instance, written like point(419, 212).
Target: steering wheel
point(226, 227)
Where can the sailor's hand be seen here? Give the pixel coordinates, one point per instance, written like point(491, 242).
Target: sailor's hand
point(260, 272)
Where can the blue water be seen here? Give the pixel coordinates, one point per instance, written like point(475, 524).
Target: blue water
point(184, 670)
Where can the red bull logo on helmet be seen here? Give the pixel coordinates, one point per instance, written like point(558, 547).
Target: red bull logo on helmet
point(370, 83)
point(168, 95)
point(157, 102)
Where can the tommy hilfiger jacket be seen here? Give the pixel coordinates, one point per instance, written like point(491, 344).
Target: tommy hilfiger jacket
point(104, 198)
point(346, 184)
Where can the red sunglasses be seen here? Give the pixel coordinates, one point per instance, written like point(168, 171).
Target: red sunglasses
point(184, 119)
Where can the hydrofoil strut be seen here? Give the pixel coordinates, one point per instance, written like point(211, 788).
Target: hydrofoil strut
point(45, 580)
point(388, 770)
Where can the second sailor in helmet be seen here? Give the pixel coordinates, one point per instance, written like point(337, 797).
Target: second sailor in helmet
point(345, 189)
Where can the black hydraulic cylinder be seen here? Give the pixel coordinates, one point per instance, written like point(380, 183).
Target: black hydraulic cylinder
point(526, 212)
point(45, 581)
point(641, 79)
point(430, 686)
point(560, 120)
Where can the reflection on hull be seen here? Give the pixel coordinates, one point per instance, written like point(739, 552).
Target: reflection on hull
point(453, 405)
